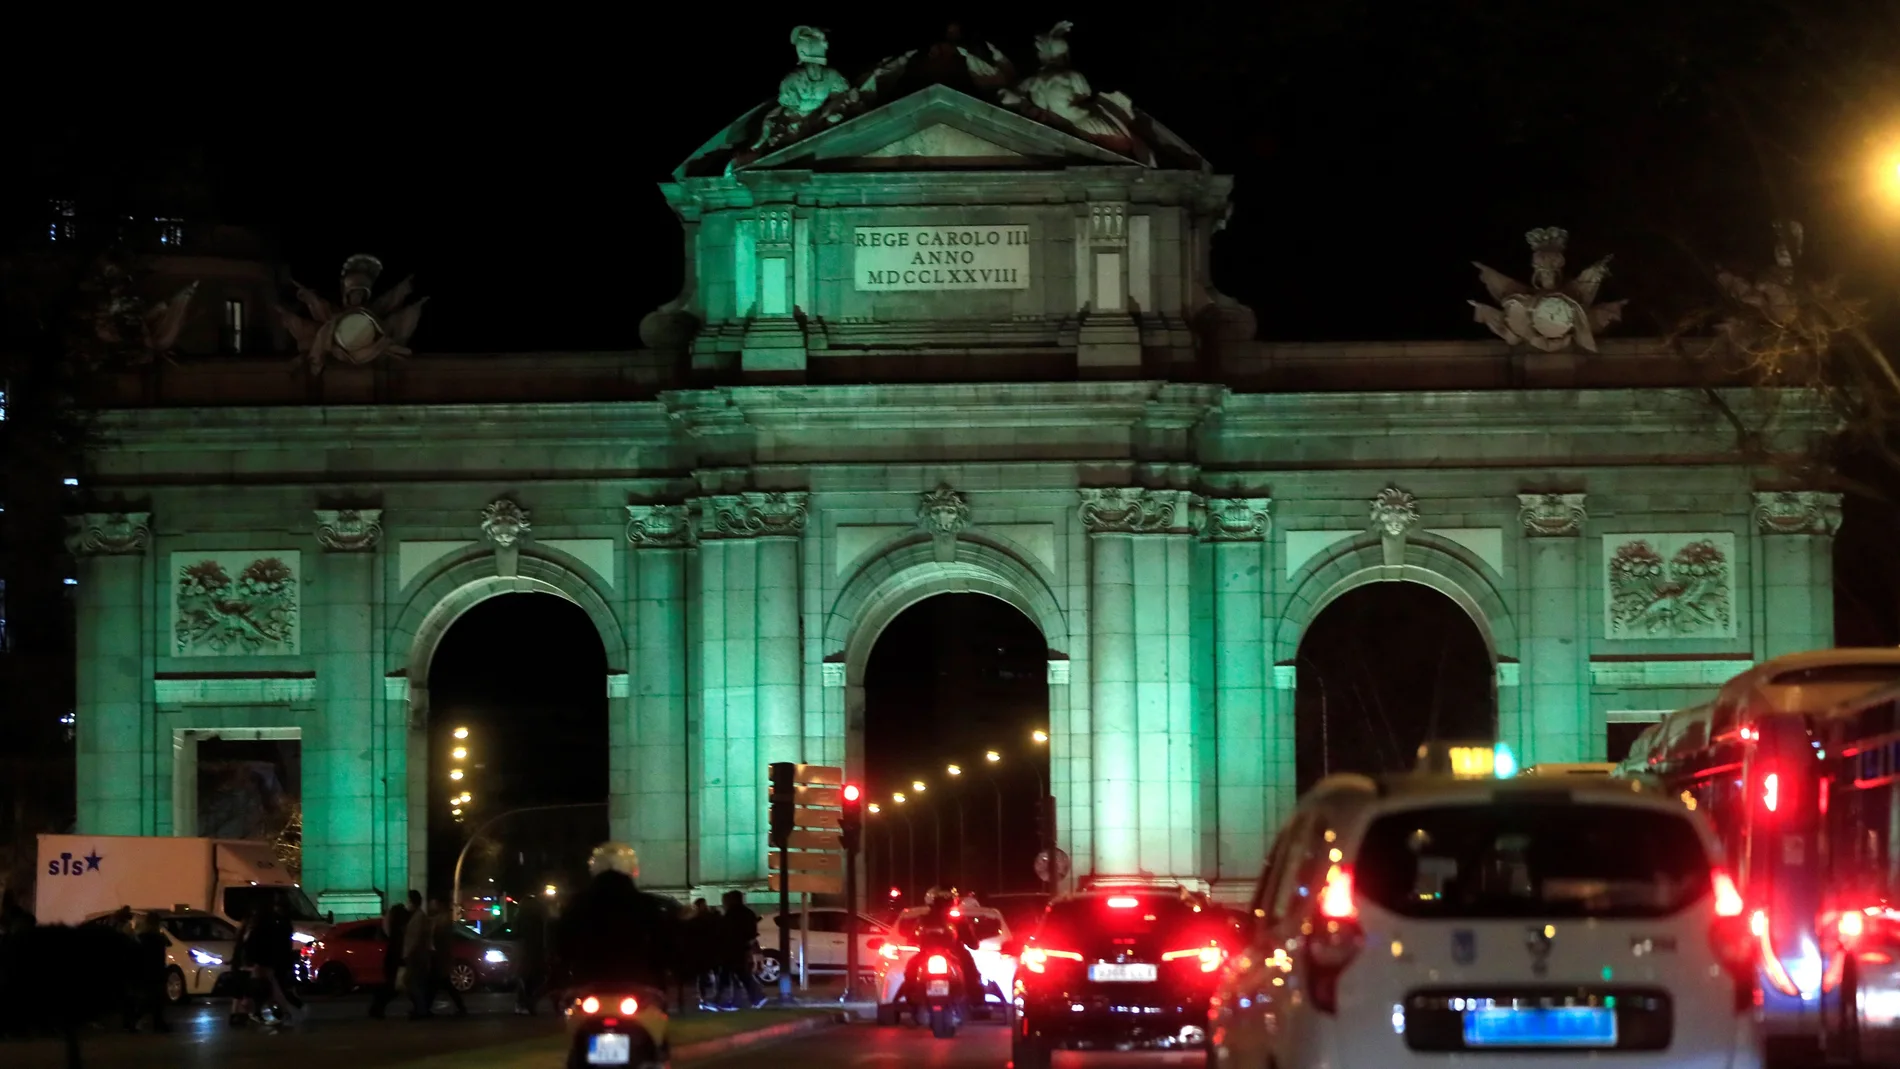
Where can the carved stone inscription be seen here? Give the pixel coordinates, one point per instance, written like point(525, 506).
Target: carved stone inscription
point(941, 257)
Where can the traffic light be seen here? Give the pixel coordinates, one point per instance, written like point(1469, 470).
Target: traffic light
point(784, 801)
point(851, 821)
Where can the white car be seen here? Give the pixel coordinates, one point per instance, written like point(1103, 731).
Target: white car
point(198, 950)
point(825, 949)
point(997, 968)
point(1429, 921)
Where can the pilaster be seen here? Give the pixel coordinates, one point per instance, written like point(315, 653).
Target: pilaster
point(1794, 539)
point(1553, 721)
point(342, 807)
point(652, 783)
point(750, 697)
point(113, 730)
point(1147, 814)
point(1247, 754)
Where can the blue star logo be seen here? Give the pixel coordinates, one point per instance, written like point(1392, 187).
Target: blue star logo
point(92, 861)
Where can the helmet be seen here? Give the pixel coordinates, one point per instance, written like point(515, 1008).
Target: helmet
point(616, 857)
point(939, 896)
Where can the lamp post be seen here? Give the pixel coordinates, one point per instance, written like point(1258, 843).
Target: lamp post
point(994, 760)
point(955, 772)
point(910, 842)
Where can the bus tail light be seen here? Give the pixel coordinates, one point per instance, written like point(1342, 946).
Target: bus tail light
point(1771, 791)
point(1761, 929)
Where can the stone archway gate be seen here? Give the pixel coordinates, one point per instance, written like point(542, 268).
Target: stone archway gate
point(737, 607)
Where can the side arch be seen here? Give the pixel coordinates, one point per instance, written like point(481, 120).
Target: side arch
point(459, 583)
point(1426, 559)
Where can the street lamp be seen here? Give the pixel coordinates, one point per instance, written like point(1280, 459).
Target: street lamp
point(898, 797)
point(874, 809)
point(1039, 736)
point(919, 786)
point(461, 733)
point(548, 891)
point(459, 753)
point(455, 773)
point(954, 770)
point(992, 756)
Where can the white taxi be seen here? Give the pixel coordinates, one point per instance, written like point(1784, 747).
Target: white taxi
point(997, 968)
point(198, 950)
point(1427, 920)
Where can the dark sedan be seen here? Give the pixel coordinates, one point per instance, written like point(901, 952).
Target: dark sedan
point(350, 955)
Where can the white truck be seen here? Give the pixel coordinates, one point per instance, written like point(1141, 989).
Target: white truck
point(84, 876)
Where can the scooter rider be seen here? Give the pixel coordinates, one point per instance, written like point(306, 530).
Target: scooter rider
point(613, 932)
point(941, 928)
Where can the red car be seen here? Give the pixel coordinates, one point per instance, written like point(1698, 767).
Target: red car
point(350, 955)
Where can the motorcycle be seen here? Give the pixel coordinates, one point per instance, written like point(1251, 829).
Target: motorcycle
point(618, 1024)
point(936, 987)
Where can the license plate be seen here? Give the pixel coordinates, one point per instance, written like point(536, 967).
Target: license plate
point(1122, 973)
point(938, 987)
point(1562, 1026)
point(609, 1049)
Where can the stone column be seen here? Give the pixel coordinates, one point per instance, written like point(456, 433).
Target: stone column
point(656, 790)
point(1553, 720)
point(1146, 814)
point(1237, 530)
point(341, 804)
point(1794, 548)
point(748, 655)
point(111, 706)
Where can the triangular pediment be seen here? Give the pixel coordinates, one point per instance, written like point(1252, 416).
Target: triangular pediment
point(937, 127)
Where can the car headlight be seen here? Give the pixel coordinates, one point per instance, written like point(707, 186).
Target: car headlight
point(495, 956)
point(204, 960)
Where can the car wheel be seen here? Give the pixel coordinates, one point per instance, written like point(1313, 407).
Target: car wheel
point(768, 967)
point(887, 1014)
point(335, 979)
point(462, 977)
point(174, 985)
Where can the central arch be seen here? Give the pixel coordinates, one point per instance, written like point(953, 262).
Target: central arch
point(434, 606)
point(917, 568)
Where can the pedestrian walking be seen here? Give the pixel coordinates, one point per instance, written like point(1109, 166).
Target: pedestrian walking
point(739, 934)
point(395, 926)
point(442, 919)
point(148, 993)
point(418, 964)
point(531, 956)
point(271, 953)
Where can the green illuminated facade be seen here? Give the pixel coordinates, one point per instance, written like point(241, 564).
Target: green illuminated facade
point(814, 440)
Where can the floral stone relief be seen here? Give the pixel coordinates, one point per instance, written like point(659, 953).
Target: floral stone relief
point(235, 602)
point(1669, 586)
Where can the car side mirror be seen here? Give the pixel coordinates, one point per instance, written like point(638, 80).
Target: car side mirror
point(1012, 947)
point(876, 942)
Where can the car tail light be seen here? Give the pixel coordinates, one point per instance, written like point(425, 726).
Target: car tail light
point(1036, 959)
point(1851, 927)
point(1728, 901)
point(590, 1005)
point(1760, 927)
point(1335, 942)
point(892, 951)
point(938, 965)
point(629, 1006)
point(1123, 902)
point(1732, 939)
point(1208, 957)
point(1335, 899)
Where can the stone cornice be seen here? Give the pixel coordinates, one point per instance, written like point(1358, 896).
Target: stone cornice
point(1482, 412)
point(906, 405)
point(584, 423)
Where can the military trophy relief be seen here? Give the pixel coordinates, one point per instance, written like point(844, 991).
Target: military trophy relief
point(229, 603)
point(1665, 586)
point(362, 327)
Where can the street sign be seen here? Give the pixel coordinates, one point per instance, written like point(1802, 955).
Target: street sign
point(804, 839)
point(1052, 865)
point(809, 861)
point(810, 883)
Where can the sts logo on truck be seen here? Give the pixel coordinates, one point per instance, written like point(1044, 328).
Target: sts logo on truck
point(68, 865)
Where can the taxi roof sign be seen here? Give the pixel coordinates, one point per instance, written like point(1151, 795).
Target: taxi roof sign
point(1467, 760)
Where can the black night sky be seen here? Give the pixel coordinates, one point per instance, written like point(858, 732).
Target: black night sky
point(511, 162)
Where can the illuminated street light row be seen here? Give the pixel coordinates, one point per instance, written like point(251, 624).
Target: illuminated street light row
point(458, 803)
point(1038, 736)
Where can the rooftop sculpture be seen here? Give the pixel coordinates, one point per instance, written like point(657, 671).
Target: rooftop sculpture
point(362, 328)
point(1550, 314)
point(120, 326)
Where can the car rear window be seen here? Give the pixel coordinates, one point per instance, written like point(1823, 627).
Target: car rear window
point(1095, 925)
point(1515, 858)
point(985, 925)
